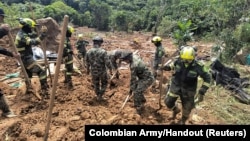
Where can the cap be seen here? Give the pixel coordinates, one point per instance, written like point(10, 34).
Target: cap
point(2, 12)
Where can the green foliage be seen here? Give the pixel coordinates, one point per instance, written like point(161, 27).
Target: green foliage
point(58, 10)
point(166, 26)
point(231, 45)
point(182, 33)
point(100, 12)
point(245, 32)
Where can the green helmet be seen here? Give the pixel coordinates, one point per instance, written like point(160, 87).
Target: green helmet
point(98, 39)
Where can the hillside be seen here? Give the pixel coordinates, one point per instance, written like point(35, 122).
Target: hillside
point(74, 109)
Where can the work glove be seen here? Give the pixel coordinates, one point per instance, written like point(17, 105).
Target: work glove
point(199, 98)
point(201, 94)
point(203, 90)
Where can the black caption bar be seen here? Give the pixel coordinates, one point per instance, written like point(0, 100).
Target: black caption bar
point(166, 132)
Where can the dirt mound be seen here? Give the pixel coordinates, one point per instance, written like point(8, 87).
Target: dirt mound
point(52, 40)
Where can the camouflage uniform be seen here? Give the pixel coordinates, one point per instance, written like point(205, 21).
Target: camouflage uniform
point(159, 53)
point(184, 85)
point(24, 43)
point(97, 62)
point(6, 111)
point(114, 55)
point(3, 102)
point(81, 47)
point(68, 61)
point(141, 79)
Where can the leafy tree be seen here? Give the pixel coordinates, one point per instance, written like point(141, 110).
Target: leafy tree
point(58, 10)
point(182, 33)
point(100, 12)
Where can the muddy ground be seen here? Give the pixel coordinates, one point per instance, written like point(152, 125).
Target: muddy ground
point(74, 109)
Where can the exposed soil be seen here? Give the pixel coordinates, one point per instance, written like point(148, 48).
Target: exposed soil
point(74, 109)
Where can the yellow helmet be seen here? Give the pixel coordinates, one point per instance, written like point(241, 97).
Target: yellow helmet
point(80, 36)
point(27, 22)
point(70, 29)
point(187, 53)
point(156, 39)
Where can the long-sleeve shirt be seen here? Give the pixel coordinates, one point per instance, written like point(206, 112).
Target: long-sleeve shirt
point(3, 51)
point(97, 60)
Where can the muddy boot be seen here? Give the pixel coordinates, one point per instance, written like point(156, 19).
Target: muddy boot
point(140, 110)
point(65, 79)
point(176, 110)
point(5, 108)
point(69, 85)
point(45, 91)
point(99, 98)
point(28, 94)
point(183, 120)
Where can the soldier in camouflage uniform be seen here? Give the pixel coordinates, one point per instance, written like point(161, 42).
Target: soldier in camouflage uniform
point(159, 53)
point(81, 47)
point(97, 62)
point(114, 56)
point(3, 102)
point(68, 58)
point(184, 82)
point(24, 41)
point(158, 57)
point(141, 79)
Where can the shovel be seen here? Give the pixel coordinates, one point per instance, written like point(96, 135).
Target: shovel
point(126, 100)
point(111, 120)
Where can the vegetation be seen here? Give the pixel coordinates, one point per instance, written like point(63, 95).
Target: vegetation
point(222, 20)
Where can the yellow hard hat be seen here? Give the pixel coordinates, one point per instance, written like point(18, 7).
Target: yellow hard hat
point(70, 29)
point(27, 22)
point(187, 53)
point(156, 39)
point(80, 36)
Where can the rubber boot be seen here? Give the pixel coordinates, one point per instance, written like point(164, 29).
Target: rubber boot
point(183, 120)
point(65, 78)
point(70, 85)
point(30, 90)
point(5, 107)
point(139, 109)
point(99, 97)
point(45, 91)
point(28, 94)
point(176, 110)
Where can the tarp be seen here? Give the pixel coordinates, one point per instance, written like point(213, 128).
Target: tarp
point(230, 79)
point(37, 53)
